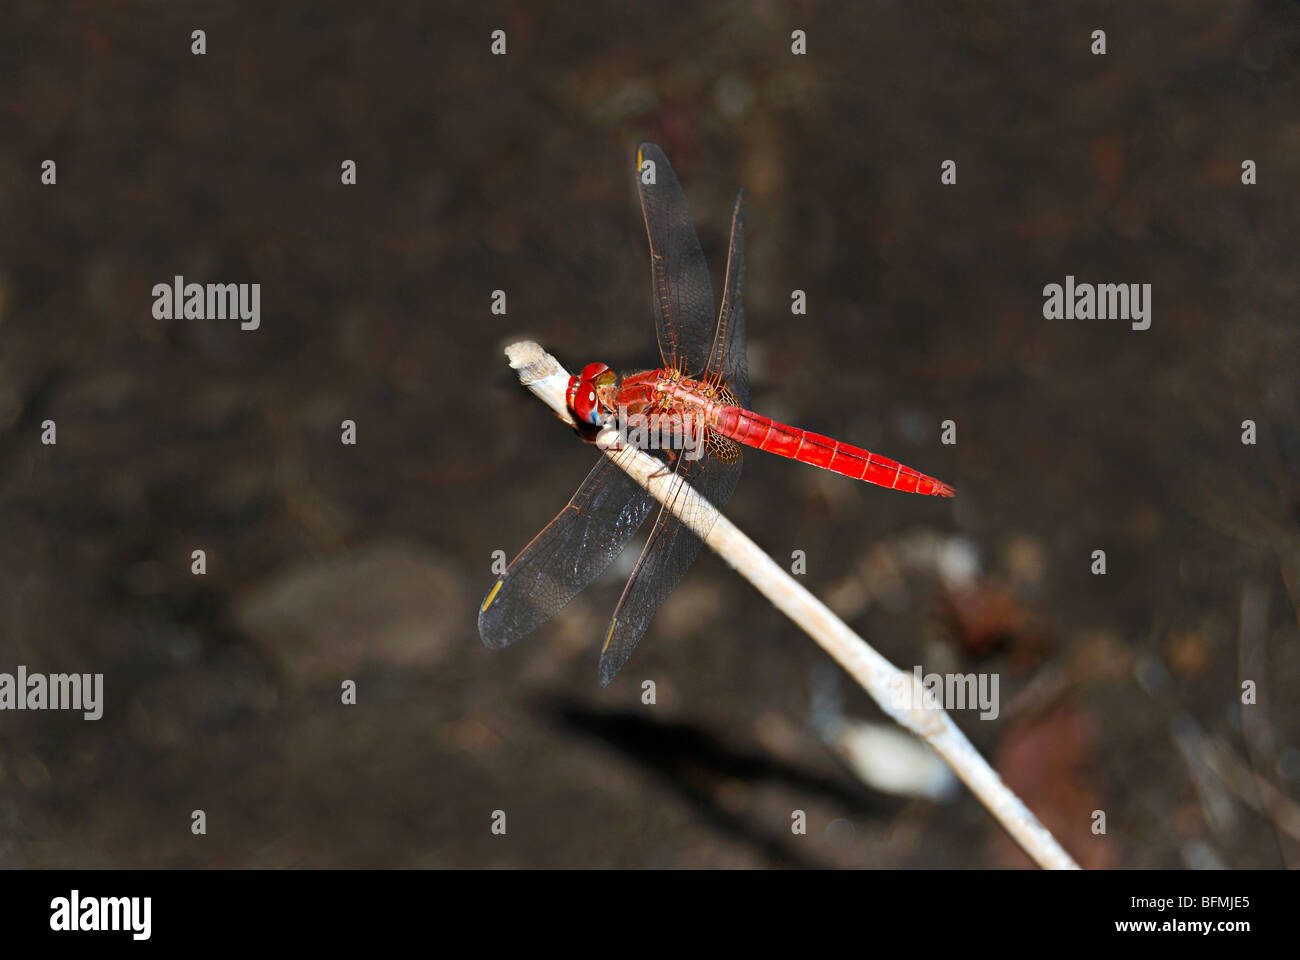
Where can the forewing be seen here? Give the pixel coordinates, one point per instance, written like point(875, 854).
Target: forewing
point(669, 552)
point(679, 275)
point(727, 360)
point(570, 552)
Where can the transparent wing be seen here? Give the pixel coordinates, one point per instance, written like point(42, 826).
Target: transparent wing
point(679, 275)
point(570, 552)
point(727, 360)
point(669, 551)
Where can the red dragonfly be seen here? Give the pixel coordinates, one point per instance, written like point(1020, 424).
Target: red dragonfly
point(700, 393)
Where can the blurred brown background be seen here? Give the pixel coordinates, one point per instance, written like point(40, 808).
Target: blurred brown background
point(1119, 693)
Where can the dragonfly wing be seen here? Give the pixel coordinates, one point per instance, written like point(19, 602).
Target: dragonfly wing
point(669, 551)
point(679, 275)
point(570, 552)
point(727, 359)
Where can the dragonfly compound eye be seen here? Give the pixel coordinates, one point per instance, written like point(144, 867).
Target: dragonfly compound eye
point(593, 370)
point(586, 404)
point(583, 393)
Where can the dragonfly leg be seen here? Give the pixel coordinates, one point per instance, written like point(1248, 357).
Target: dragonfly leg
point(669, 466)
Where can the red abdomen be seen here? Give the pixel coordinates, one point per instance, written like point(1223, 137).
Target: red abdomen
point(754, 430)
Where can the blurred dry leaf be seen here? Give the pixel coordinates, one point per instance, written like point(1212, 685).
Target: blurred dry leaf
point(1044, 760)
point(390, 602)
point(987, 615)
point(1188, 653)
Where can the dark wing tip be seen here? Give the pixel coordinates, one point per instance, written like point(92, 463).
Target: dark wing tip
point(489, 637)
point(491, 630)
point(607, 671)
point(612, 659)
point(649, 149)
point(495, 639)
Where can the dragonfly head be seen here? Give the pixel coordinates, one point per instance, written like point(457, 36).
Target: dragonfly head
point(591, 394)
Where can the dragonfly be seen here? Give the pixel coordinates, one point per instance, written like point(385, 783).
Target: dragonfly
point(701, 392)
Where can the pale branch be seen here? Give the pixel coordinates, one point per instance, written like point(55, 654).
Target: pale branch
point(918, 712)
